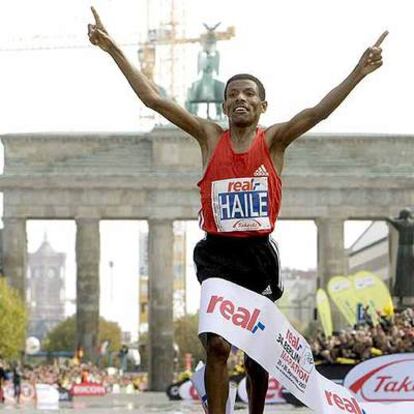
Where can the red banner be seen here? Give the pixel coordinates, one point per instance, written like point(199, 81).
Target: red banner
point(87, 388)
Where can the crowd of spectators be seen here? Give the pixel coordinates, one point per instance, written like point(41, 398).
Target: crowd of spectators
point(65, 375)
point(393, 334)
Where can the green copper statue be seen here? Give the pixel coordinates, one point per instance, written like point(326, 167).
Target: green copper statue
point(404, 280)
point(207, 90)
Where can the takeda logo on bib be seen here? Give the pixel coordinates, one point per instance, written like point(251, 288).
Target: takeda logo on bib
point(237, 315)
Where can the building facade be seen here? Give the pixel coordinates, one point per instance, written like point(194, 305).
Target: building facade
point(45, 289)
point(372, 252)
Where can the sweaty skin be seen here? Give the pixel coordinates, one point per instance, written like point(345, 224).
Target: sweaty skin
point(243, 108)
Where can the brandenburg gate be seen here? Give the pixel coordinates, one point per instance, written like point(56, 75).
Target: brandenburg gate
point(91, 177)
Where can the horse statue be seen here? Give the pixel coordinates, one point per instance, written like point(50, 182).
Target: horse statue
point(207, 90)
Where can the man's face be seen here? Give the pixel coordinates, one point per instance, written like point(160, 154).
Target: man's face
point(243, 105)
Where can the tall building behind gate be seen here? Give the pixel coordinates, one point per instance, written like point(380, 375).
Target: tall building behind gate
point(45, 289)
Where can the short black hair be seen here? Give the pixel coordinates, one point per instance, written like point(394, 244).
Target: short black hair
point(262, 91)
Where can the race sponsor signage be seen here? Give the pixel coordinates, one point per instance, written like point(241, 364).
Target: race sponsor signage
point(187, 391)
point(241, 204)
point(274, 393)
point(27, 393)
point(238, 315)
point(47, 396)
point(392, 408)
point(342, 292)
point(324, 312)
point(87, 389)
point(372, 291)
point(198, 385)
point(173, 392)
point(342, 403)
point(278, 347)
point(388, 378)
point(296, 360)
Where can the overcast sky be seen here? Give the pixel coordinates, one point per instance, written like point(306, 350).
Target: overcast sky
point(299, 48)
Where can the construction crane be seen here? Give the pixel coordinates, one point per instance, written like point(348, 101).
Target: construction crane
point(167, 35)
point(147, 49)
point(158, 53)
point(57, 42)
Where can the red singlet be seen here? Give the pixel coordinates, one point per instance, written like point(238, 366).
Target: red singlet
point(240, 193)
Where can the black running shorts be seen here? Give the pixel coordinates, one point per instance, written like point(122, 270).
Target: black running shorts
point(251, 262)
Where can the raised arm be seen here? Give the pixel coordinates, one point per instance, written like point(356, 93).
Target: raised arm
point(281, 135)
point(395, 222)
point(389, 220)
point(148, 92)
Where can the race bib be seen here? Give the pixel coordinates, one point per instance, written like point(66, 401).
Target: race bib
point(241, 204)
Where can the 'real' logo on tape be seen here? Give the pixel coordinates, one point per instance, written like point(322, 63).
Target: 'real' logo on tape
point(346, 405)
point(237, 315)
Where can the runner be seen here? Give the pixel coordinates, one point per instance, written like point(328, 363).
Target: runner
point(240, 190)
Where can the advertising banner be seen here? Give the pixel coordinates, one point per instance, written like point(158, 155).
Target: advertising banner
point(255, 325)
point(87, 388)
point(372, 291)
point(197, 380)
point(47, 396)
point(341, 291)
point(27, 393)
point(187, 391)
point(324, 311)
point(388, 378)
point(274, 392)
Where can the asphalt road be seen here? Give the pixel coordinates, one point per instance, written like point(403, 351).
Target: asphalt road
point(148, 402)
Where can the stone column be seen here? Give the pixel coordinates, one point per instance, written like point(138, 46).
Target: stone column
point(87, 286)
point(160, 299)
point(393, 239)
point(331, 258)
point(331, 249)
point(15, 253)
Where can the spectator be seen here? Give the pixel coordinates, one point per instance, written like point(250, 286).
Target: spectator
point(2, 380)
point(17, 382)
point(393, 334)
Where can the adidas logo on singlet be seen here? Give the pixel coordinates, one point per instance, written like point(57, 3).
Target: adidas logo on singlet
point(267, 291)
point(261, 171)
